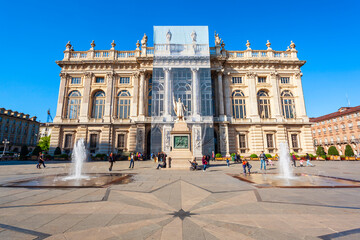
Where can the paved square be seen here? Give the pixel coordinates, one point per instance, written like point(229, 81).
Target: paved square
point(170, 204)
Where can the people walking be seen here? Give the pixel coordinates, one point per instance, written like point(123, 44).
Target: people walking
point(227, 162)
point(244, 164)
point(263, 160)
point(111, 161)
point(40, 161)
point(293, 159)
point(204, 162)
point(131, 160)
point(308, 160)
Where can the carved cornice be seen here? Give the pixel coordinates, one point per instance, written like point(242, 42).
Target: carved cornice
point(88, 74)
point(63, 75)
point(298, 75)
point(251, 75)
point(274, 74)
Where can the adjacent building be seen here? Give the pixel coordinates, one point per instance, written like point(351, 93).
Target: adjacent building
point(253, 102)
point(17, 129)
point(338, 129)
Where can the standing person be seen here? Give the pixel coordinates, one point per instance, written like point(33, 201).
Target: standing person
point(308, 160)
point(204, 162)
point(43, 159)
point(208, 159)
point(263, 160)
point(111, 161)
point(227, 162)
point(294, 159)
point(131, 160)
point(248, 165)
point(213, 155)
point(152, 156)
point(244, 164)
point(40, 160)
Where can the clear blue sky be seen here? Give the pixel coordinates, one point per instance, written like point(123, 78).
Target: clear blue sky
point(34, 34)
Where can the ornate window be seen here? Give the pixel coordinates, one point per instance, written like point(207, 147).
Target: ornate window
point(123, 105)
point(99, 80)
point(242, 143)
point(294, 142)
point(76, 80)
point(238, 104)
point(182, 88)
point(236, 80)
point(124, 80)
point(285, 80)
point(98, 105)
point(264, 104)
point(288, 105)
point(261, 79)
point(73, 108)
point(157, 99)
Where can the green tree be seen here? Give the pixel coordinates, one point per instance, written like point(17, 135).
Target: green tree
point(44, 143)
point(320, 151)
point(24, 151)
point(36, 151)
point(333, 151)
point(348, 151)
point(57, 151)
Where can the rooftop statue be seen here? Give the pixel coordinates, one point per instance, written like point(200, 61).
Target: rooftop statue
point(144, 40)
point(193, 36)
point(217, 39)
point(168, 36)
point(179, 109)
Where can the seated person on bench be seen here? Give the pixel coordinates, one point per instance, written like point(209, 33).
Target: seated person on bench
point(194, 164)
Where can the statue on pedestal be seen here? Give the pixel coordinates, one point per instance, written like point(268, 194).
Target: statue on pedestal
point(179, 109)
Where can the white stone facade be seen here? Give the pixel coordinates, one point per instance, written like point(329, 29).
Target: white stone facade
point(258, 98)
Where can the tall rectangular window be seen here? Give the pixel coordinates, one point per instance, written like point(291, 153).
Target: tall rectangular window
point(121, 141)
point(261, 79)
point(269, 140)
point(294, 141)
point(93, 140)
point(75, 80)
point(285, 80)
point(99, 80)
point(242, 141)
point(236, 80)
point(124, 80)
point(68, 141)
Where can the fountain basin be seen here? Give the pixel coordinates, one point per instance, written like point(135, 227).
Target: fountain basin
point(300, 180)
point(92, 180)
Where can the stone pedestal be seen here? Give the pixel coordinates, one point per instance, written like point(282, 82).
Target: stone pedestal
point(181, 146)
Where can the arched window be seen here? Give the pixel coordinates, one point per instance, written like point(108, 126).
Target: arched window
point(288, 104)
point(73, 108)
point(264, 104)
point(98, 105)
point(182, 85)
point(123, 105)
point(206, 99)
point(157, 99)
point(238, 104)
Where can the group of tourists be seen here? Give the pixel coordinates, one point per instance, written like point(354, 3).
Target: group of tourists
point(301, 162)
point(133, 157)
point(162, 160)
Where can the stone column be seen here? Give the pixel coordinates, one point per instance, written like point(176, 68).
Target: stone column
point(224, 140)
point(141, 94)
point(221, 94)
point(134, 104)
point(197, 141)
point(109, 97)
point(227, 95)
point(300, 103)
point(61, 98)
point(167, 92)
point(85, 113)
point(196, 92)
point(274, 79)
point(252, 107)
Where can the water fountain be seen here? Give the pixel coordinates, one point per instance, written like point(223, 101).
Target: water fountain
point(285, 169)
point(285, 178)
point(76, 176)
point(78, 158)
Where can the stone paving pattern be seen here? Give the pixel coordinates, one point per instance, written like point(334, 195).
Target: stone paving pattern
point(173, 204)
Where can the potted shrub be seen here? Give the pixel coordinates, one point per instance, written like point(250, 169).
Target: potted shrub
point(254, 157)
point(218, 156)
point(349, 153)
point(268, 156)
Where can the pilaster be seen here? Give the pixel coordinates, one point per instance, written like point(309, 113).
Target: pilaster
point(61, 99)
point(109, 97)
point(300, 103)
point(196, 92)
point(221, 94)
point(134, 104)
point(227, 95)
point(141, 94)
point(167, 92)
point(276, 103)
point(252, 107)
point(85, 101)
point(197, 141)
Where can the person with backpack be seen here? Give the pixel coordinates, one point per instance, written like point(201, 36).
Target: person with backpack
point(263, 160)
point(131, 160)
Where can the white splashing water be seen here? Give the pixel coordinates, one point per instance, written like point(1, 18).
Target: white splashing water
point(285, 169)
point(78, 158)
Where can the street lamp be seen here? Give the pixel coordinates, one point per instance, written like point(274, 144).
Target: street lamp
point(5, 142)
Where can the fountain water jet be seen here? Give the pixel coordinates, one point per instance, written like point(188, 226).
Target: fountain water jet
point(285, 169)
point(78, 157)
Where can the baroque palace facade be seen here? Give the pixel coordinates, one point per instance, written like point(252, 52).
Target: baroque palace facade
point(106, 97)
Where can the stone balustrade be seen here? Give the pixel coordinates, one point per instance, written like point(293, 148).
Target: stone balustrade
point(161, 49)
